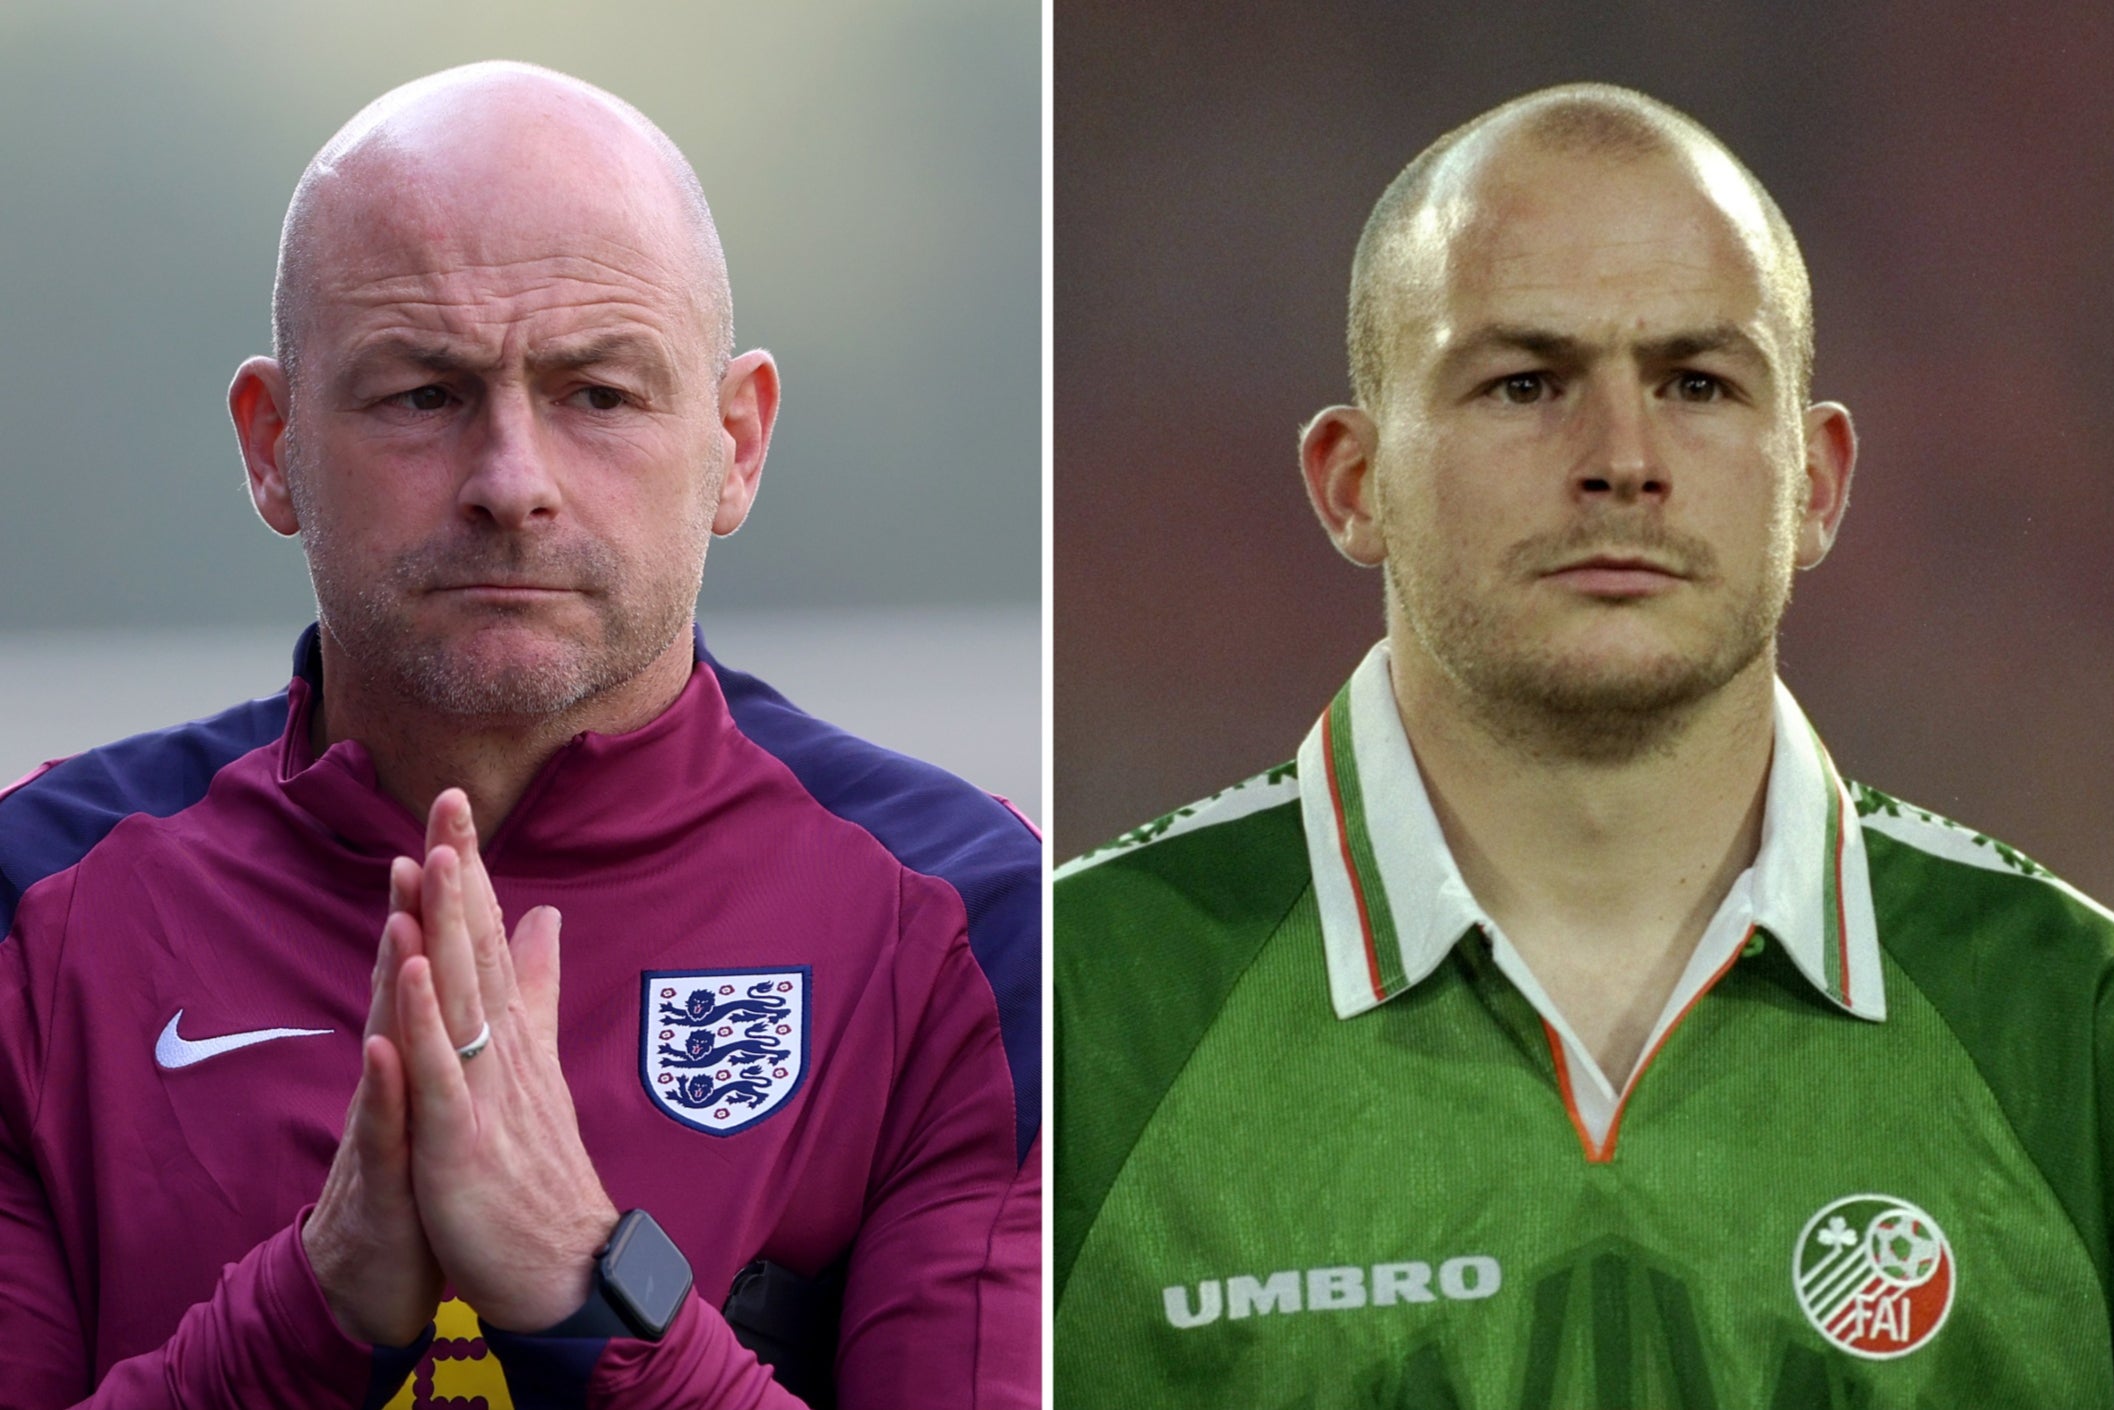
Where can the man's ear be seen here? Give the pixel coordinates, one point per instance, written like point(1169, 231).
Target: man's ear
point(258, 401)
point(1831, 458)
point(1336, 459)
point(748, 407)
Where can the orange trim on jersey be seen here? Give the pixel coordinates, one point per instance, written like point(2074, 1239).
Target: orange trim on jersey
point(1594, 1154)
point(1842, 925)
point(1350, 868)
point(1605, 1151)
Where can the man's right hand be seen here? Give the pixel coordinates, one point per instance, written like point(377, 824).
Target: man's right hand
point(363, 1238)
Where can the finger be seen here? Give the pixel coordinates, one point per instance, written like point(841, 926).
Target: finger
point(441, 814)
point(480, 905)
point(407, 934)
point(381, 993)
point(495, 970)
point(404, 876)
point(452, 824)
point(402, 937)
point(501, 978)
point(379, 1133)
point(436, 1094)
point(448, 946)
point(384, 957)
point(536, 969)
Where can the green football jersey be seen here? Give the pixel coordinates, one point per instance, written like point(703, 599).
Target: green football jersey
point(1316, 1146)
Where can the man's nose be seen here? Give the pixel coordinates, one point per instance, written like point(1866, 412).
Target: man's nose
point(511, 478)
point(1619, 457)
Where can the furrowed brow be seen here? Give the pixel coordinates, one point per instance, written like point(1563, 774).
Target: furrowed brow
point(396, 350)
point(1718, 338)
point(1562, 349)
point(1538, 343)
point(621, 349)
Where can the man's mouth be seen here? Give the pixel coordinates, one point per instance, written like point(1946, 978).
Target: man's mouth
point(1617, 575)
point(507, 591)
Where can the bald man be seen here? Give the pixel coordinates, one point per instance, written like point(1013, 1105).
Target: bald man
point(784, 1099)
point(1559, 1027)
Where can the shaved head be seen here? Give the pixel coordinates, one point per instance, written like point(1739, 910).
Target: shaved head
point(1406, 241)
point(503, 414)
point(488, 132)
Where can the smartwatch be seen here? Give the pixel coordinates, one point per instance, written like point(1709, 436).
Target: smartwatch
point(640, 1281)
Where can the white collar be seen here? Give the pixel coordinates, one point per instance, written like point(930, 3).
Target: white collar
point(1393, 902)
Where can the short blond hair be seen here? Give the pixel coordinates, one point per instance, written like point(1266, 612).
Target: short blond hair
point(1590, 119)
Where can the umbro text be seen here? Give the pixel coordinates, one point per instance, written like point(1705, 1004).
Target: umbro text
point(1337, 1289)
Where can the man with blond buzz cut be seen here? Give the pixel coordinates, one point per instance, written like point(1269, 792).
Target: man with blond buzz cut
point(1559, 1027)
point(783, 1104)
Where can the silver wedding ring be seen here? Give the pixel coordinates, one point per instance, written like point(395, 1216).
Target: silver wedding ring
point(476, 1045)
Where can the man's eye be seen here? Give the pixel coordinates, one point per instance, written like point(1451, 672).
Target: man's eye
point(1525, 388)
point(422, 398)
point(600, 398)
point(1698, 386)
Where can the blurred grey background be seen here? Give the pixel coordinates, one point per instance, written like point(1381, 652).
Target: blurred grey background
point(1949, 169)
point(875, 172)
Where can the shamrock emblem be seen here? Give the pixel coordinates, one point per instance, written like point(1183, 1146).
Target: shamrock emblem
point(1837, 1234)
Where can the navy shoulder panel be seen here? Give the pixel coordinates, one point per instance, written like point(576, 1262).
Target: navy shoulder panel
point(938, 825)
point(55, 818)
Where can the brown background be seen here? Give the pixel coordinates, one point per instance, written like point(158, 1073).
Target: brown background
point(1951, 177)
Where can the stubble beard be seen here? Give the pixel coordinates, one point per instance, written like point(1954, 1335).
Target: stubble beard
point(456, 675)
point(641, 607)
point(1565, 705)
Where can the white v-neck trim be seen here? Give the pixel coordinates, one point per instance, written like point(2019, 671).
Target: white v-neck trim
point(1393, 902)
point(1595, 1096)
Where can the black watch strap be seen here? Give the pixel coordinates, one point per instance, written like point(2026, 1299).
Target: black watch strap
point(593, 1318)
point(640, 1281)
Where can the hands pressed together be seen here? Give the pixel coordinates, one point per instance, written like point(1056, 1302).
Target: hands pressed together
point(465, 1170)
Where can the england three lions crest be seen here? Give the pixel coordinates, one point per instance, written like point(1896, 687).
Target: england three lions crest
point(721, 1049)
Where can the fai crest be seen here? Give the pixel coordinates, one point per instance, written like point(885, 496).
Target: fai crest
point(1875, 1275)
point(721, 1049)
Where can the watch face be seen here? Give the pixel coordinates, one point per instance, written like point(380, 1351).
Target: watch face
point(645, 1274)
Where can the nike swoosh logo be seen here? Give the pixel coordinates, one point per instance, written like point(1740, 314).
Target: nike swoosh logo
point(172, 1050)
